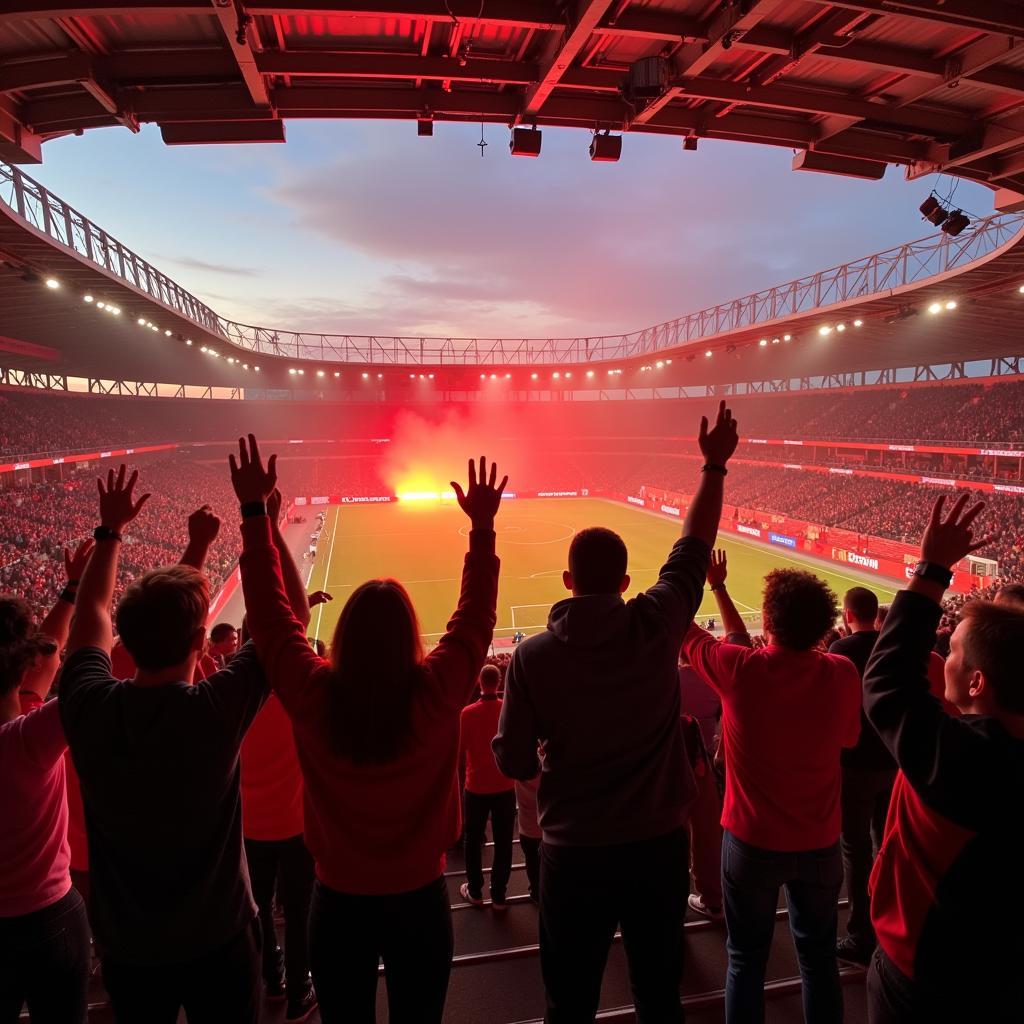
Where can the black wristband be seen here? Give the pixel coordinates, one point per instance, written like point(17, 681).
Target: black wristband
point(934, 573)
point(711, 467)
point(105, 533)
point(251, 509)
point(67, 594)
point(718, 586)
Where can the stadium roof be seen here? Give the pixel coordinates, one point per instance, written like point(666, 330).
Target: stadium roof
point(851, 85)
point(883, 303)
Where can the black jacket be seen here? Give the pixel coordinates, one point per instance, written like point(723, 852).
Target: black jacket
point(600, 691)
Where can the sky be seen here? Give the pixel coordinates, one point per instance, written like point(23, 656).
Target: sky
point(364, 228)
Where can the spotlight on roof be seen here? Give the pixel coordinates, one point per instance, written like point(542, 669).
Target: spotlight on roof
point(424, 126)
point(605, 148)
point(87, 298)
point(430, 376)
point(840, 328)
point(951, 304)
point(659, 364)
point(690, 144)
point(188, 341)
point(787, 337)
point(935, 307)
point(533, 376)
point(320, 373)
point(203, 350)
point(142, 320)
point(824, 330)
point(933, 211)
point(763, 343)
point(256, 369)
point(380, 376)
point(52, 282)
point(955, 223)
point(101, 305)
point(366, 376)
point(524, 142)
point(337, 373)
point(168, 333)
point(508, 376)
point(1021, 289)
point(707, 354)
point(590, 373)
point(568, 373)
point(858, 323)
point(556, 375)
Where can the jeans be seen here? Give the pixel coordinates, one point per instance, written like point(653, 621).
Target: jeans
point(411, 932)
point(223, 985)
point(585, 892)
point(865, 804)
point(44, 962)
point(284, 865)
point(751, 880)
point(531, 857)
point(501, 809)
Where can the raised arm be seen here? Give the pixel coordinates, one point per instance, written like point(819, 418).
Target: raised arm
point(280, 638)
point(460, 653)
point(91, 626)
point(680, 586)
point(293, 585)
point(717, 446)
point(942, 757)
point(203, 527)
point(718, 571)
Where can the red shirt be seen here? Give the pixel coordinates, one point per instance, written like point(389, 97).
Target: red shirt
point(480, 726)
point(374, 828)
point(271, 776)
point(34, 812)
point(785, 717)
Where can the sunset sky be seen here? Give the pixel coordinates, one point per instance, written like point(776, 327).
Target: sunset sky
point(363, 228)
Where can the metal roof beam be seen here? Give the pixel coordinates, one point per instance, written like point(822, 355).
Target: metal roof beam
point(36, 74)
point(1000, 16)
point(239, 35)
point(537, 14)
point(561, 52)
point(292, 101)
point(728, 23)
point(654, 25)
point(321, 64)
point(28, 10)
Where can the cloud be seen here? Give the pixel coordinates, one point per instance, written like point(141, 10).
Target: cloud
point(211, 268)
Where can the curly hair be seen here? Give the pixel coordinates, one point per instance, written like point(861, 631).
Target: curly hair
point(16, 648)
point(799, 608)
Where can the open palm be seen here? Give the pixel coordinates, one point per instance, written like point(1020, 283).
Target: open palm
point(481, 499)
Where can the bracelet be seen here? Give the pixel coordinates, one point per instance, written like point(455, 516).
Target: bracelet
point(67, 594)
point(718, 586)
point(711, 467)
point(106, 533)
point(251, 509)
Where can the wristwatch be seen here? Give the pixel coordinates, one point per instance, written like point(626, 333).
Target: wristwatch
point(934, 573)
point(105, 533)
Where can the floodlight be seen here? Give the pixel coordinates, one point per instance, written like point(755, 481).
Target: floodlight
point(763, 343)
point(524, 142)
point(932, 210)
point(951, 304)
point(52, 282)
point(605, 148)
point(955, 223)
point(424, 126)
point(935, 307)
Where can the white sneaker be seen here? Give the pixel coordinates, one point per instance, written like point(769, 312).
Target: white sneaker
point(477, 901)
point(698, 906)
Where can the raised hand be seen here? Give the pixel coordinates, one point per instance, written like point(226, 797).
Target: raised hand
point(117, 505)
point(948, 540)
point(319, 597)
point(248, 477)
point(203, 526)
point(480, 501)
point(717, 569)
point(718, 444)
point(274, 500)
point(76, 561)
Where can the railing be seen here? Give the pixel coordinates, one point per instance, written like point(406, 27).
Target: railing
point(911, 263)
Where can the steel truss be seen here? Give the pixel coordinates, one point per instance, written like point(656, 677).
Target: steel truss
point(859, 280)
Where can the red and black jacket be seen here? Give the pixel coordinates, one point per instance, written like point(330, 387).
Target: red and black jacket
point(947, 896)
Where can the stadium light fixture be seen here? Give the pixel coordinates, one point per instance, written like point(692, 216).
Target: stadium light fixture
point(302, 373)
point(255, 369)
point(508, 376)
point(1021, 289)
point(824, 330)
point(231, 359)
point(380, 376)
point(659, 364)
point(366, 376)
point(412, 376)
point(955, 223)
point(568, 373)
point(533, 376)
point(168, 333)
point(525, 142)
point(320, 373)
point(858, 323)
point(203, 350)
point(430, 376)
point(556, 375)
point(116, 310)
point(707, 354)
point(787, 337)
point(291, 369)
point(951, 304)
point(763, 343)
point(142, 320)
point(935, 307)
point(337, 373)
point(775, 341)
point(483, 376)
point(188, 341)
point(101, 305)
point(245, 366)
point(494, 376)
point(668, 362)
point(605, 148)
point(590, 373)
point(840, 328)
point(87, 298)
point(52, 283)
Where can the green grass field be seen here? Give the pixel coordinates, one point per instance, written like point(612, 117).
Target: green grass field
point(423, 544)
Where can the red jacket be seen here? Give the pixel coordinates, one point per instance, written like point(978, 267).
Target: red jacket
point(270, 776)
point(479, 727)
point(374, 828)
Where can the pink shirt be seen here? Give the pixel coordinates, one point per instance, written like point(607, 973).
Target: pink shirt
point(34, 811)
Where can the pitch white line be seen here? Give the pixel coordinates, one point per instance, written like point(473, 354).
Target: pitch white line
point(327, 572)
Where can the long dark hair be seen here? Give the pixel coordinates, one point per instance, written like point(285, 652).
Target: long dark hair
point(377, 659)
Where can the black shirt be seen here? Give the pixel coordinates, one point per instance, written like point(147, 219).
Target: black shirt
point(159, 774)
point(870, 753)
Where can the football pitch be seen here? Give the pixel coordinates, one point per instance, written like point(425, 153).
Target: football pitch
point(423, 543)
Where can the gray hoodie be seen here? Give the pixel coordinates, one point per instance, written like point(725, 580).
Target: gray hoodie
point(600, 692)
